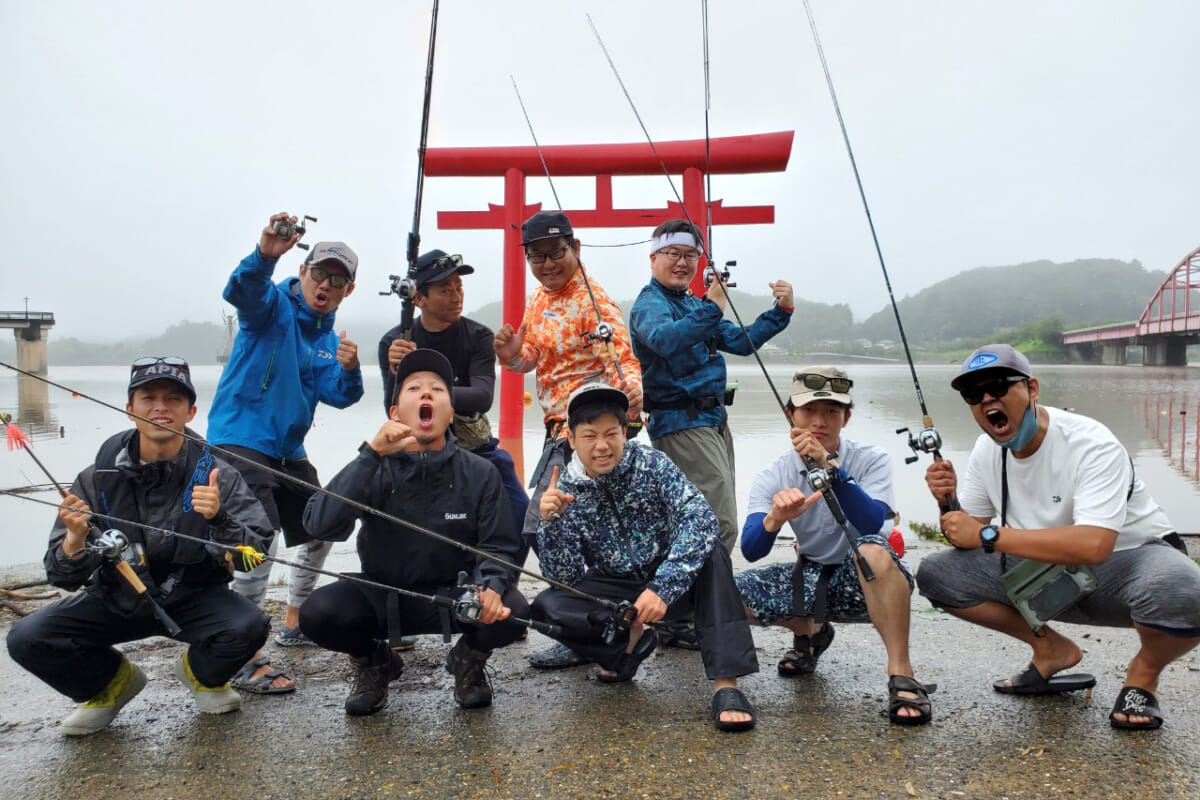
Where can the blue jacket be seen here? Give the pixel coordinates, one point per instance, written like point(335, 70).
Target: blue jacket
point(283, 363)
point(644, 520)
point(677, 336)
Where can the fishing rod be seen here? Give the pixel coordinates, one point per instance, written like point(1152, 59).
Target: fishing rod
point(603, 331)
point(819, 479)
point(928, 440)
point(621, 609)
point(122, 565)
point(406, 288)
point(114, 543)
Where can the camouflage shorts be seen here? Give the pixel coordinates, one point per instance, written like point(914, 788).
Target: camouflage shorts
point(767, 591)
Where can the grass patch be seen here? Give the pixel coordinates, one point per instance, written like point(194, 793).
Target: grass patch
point(930, 533)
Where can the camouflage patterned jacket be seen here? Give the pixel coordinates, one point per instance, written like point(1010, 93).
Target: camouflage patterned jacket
point(644, 520)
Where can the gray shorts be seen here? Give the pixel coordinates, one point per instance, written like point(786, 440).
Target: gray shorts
point(706, 457)
point(1153, 585)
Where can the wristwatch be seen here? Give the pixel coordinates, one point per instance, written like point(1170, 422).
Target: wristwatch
point(988, 536)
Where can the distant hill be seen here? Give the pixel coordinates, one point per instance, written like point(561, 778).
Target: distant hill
point(980, 301)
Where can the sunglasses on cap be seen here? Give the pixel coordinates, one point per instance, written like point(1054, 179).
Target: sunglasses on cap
point(336, 281)
point(153, 361)
point(815, 381)
point(997, 388)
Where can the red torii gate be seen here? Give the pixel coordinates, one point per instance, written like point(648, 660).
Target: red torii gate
point(729, 155)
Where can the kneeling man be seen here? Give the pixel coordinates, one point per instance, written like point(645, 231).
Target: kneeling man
point(623, 523)
point(1063, 490)
point(411, 470)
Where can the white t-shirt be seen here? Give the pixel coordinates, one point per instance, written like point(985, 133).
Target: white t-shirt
point(1080, 475)
point(818, 535)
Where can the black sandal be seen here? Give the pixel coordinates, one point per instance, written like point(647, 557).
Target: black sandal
point(627, 667)
point(1135, 702)
point(802, 658)
point(921, 703)
point(731, 699)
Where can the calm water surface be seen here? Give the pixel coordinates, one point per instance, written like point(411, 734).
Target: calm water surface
point(1142, 405)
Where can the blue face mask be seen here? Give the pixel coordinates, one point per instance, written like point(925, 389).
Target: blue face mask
point(1025, 431)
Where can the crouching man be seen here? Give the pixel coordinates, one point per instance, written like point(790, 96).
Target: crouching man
point(1051, 486)
point(149, 475)
point(411, 470)
point(623, 523)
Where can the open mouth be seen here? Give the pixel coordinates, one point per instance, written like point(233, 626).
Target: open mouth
point(998, 421)
point(425, 415)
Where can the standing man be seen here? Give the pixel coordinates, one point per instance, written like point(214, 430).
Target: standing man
point(560, 337)
point(1064, 491)
point(285, 360)
point(624, 523)
point(151, 475)
point(412, 470)
point(678, 338)
point(467, 344)
point(825, 584)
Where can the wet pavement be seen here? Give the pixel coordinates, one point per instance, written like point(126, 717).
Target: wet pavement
point(562, 734)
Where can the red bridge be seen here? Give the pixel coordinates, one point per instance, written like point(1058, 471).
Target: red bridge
point(1169, 324)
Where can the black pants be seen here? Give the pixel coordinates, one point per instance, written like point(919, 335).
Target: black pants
point(69, 644)
point(283, 500)
point(726, 644)
point(350, 618)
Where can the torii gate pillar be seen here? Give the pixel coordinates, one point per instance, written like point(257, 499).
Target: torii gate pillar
point(692, 159)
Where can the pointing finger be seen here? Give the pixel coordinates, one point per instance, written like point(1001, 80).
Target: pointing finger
point(554, 473)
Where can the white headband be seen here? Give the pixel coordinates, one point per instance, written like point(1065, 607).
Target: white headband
point(681, 238)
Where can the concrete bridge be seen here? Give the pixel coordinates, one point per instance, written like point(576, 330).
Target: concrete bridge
point(31, 328)
point(1169, 324)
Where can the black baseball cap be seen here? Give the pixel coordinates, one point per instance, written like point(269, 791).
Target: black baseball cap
point(424, 360)
point(159, 368)
point(437, 265)
point(546, 225)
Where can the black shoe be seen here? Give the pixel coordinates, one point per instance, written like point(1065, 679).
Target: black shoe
point(469, 667)
point(679, 634)
point(372, 675)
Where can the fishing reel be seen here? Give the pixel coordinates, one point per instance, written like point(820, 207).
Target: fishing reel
point(821, 479)
point(402, 286)
point(621, 619)
point(467, 607)
point(711, 273)
point(285, 228)
point(114, 545)
point(927, 441)
point(603, 333)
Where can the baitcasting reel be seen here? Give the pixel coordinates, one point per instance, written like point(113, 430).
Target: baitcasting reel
point(711, 273)
point(621, 619)
point(603, 333)
point(467, 607)
point(285, 228)
point(927, 441)
point(114, 545)
point(402, 286)
point(821, 480)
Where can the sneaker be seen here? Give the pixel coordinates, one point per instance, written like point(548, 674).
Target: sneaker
point(472, 689)
point(405, 643)
point(557, 656)
point(209, 699)
point(96, 714)
point(372, 675)
point(679, 634)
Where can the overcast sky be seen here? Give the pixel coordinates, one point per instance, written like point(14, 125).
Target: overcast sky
point(144, 144)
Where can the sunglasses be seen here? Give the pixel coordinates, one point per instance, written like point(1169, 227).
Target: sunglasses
point(336, 281)
point(154, 361)
point(997, 388)
point(815, 381)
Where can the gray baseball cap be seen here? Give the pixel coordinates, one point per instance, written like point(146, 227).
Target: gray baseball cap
point(992, 358)
point(335, 252)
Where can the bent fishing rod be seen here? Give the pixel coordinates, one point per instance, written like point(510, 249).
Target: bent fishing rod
point(617, 608)
point(819, 479)
point(113, 543)
point(928, 440)
point(406, 288)
point(603, 331)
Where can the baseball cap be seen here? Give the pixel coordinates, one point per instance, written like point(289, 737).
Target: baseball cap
point(824, 382)
point(337, 252)
point(992, 358)
point(158, 368)
point(591, 393)
point(436, 265)
point(425, 360)
point(546, 225)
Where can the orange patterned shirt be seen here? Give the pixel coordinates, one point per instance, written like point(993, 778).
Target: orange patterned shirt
point(557, 344)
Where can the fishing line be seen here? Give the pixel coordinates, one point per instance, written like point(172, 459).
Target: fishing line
point(383, 515)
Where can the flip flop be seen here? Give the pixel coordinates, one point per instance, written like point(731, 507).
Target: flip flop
point(730, 699)
point(1135, 702)
point(1031, 683)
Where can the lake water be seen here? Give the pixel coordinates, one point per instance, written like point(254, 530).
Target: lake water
point(1142, 405)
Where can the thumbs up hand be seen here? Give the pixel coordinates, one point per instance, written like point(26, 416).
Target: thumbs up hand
point(554, 501)
point(347, 353)
point(206, 498)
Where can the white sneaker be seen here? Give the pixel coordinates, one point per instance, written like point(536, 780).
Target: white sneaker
point(96, 714)
point(209, 699)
